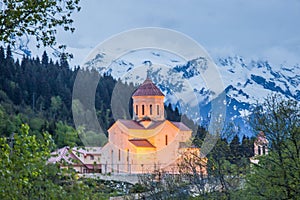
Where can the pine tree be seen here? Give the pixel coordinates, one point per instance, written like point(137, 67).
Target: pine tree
point(2, 55)
point(64, 60)
point(235, 150)
point(219, 168)
point(8, 53)
point(45, 59)
point(247, 147)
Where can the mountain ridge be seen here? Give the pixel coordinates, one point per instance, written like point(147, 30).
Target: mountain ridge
point(181, 81)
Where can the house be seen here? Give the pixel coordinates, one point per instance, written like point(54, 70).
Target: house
point(82, 160)
point(148, 142)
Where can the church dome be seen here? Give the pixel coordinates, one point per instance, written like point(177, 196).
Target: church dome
point(148, 89)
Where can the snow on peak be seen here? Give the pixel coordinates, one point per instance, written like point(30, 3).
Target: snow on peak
point(181, 81)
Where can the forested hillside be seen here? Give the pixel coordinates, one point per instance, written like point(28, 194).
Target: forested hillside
point(38, 91)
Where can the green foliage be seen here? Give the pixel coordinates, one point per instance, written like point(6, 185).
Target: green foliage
point(173, 114)
point(160, 185)
point(220, 169)
point(8, 124)
point(137, 188)
point(277, 175)
point(66, 135)
point(40, 93)
point(228, 163)
point(92, 138)
point(247, 147)
point(23, 166)
point(56, 105)
point(19, 18)
point(25, 173)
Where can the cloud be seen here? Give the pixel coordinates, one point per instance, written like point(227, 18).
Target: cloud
point(246, 28)
point(278, 55)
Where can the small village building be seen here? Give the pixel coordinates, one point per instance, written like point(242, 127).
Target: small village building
point(82, 160)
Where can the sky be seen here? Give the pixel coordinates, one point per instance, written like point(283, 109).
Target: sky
point(253, 29)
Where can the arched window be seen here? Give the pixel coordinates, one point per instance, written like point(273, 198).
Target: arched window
point(137, 109)
point(150, 109)
point(143, 110)
point(166, 139)
point(264, 150)
point(112, 160)
point(259, 150)
point(157, 109)
point(128, 164)
point(128, 155)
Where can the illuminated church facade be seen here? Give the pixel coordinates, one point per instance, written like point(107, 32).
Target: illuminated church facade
point(148, 142)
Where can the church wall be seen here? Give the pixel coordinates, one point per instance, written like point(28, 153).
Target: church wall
point(168, 154)
point(138, 133)
point(160, 140)
point(111, 160)
point(138, 160)
point(118, 137)
point(114, 159)
point(142, 159)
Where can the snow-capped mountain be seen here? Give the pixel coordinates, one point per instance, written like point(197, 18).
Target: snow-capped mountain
point(244, 83)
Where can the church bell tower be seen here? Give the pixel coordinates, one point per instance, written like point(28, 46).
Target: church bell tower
point(148, 102)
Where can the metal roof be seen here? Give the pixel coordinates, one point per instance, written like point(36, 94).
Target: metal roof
point(148, 88)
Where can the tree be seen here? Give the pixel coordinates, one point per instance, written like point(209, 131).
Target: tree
point(45, 59)
point(56, 104)
point(2, 54)
point(192, 167)
point(22, 164)
point(277, 175)
point(66, 135)
point(20, 19)
point(25, 173)
point(222, 174)
point(162, 186)
point(247, 147)
point(235, 150)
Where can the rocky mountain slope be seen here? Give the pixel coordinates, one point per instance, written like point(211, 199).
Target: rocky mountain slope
point(244, 83)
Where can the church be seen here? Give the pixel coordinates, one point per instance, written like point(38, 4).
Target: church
point(260, 147)
point(148, 142)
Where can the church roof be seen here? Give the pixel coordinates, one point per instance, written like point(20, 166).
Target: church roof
point(71, 155)
point(141, 143)
point(261, 138)
point(148, 89)
point(132, 124)
point(181, 126)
